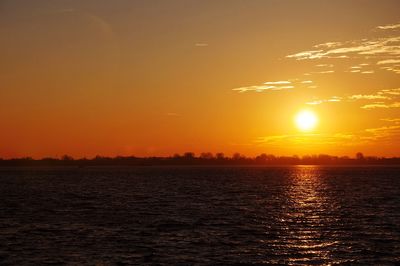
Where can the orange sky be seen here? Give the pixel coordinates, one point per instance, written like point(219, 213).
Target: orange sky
point(161, 77)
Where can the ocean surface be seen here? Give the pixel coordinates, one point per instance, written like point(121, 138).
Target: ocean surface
point(300, 215)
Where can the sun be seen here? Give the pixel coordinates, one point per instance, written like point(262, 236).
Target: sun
point(306, 120)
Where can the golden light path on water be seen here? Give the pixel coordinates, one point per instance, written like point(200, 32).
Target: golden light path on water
point(305, 217)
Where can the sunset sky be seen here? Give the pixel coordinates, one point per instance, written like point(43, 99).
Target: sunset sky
point(146, 78)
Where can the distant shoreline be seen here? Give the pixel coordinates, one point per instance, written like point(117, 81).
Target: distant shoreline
point(75, 167)
point(206, 159)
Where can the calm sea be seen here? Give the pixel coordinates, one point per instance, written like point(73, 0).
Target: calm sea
point(200, 216)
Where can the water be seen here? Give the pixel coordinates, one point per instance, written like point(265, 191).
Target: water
point(200, 215)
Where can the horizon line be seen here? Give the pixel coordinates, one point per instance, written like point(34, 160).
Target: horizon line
point(204, 156)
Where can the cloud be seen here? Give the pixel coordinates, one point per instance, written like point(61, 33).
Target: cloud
point(332, 99)
point(360, 69)
point(313, 139)
point(392, 120)
point(395, 69)
point(384, 130)
point(269, 85)
point(383, 51)
point(300, 139)
point(389, 27)
point(314, 54)
point(277, 85)
point(360, 137)
point(262, 88)
point(378, 53)
point(390, 91)
point(315, 102)
point(273, 138)
point(367, 72)
point(324, 65)
point(277, 82)
point(385, 133)
point(368, 97)
point(385, 94)
point(201, 44)
point(328, 45)
point(324, 72)
point(388, 61)
point(388, 46)
point(381, 105)
point(319, 72)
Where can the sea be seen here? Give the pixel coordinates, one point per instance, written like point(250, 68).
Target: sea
point(185, 215)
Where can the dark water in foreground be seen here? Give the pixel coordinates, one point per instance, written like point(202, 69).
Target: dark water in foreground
point(193, 215)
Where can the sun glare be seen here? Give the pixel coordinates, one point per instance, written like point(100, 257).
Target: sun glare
point(306, 120)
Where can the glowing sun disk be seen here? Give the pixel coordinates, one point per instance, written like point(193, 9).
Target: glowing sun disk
point(306, 120)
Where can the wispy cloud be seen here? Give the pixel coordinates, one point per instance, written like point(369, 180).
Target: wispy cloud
point(389, 27)
point(344, 139)
point(389, 61)
point(278, 85)
point(390, 91)
point(359, 137)
point(383, 129)
point(328, 45)
point(361, 69)
point(277, 82)
point(274, 138)
point(382, 95)
point(385, 132)
point(393, 120)
point(324, 65)
point(262, 88)
point(267, 86)
point(319, 72)
point(371, 54)
point(395, 69)
point(324, 72)
point(382, 51)
point(201, 44)
point(388, 46)
point(381, 105)
point(368, 97)
point(332, 99)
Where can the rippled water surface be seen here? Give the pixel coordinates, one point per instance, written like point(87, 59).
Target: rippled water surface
point(200, 215)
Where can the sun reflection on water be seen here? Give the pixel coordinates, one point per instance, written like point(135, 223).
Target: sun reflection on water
point(304, 216)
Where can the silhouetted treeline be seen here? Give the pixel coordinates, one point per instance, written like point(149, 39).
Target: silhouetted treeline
point(190, 158)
